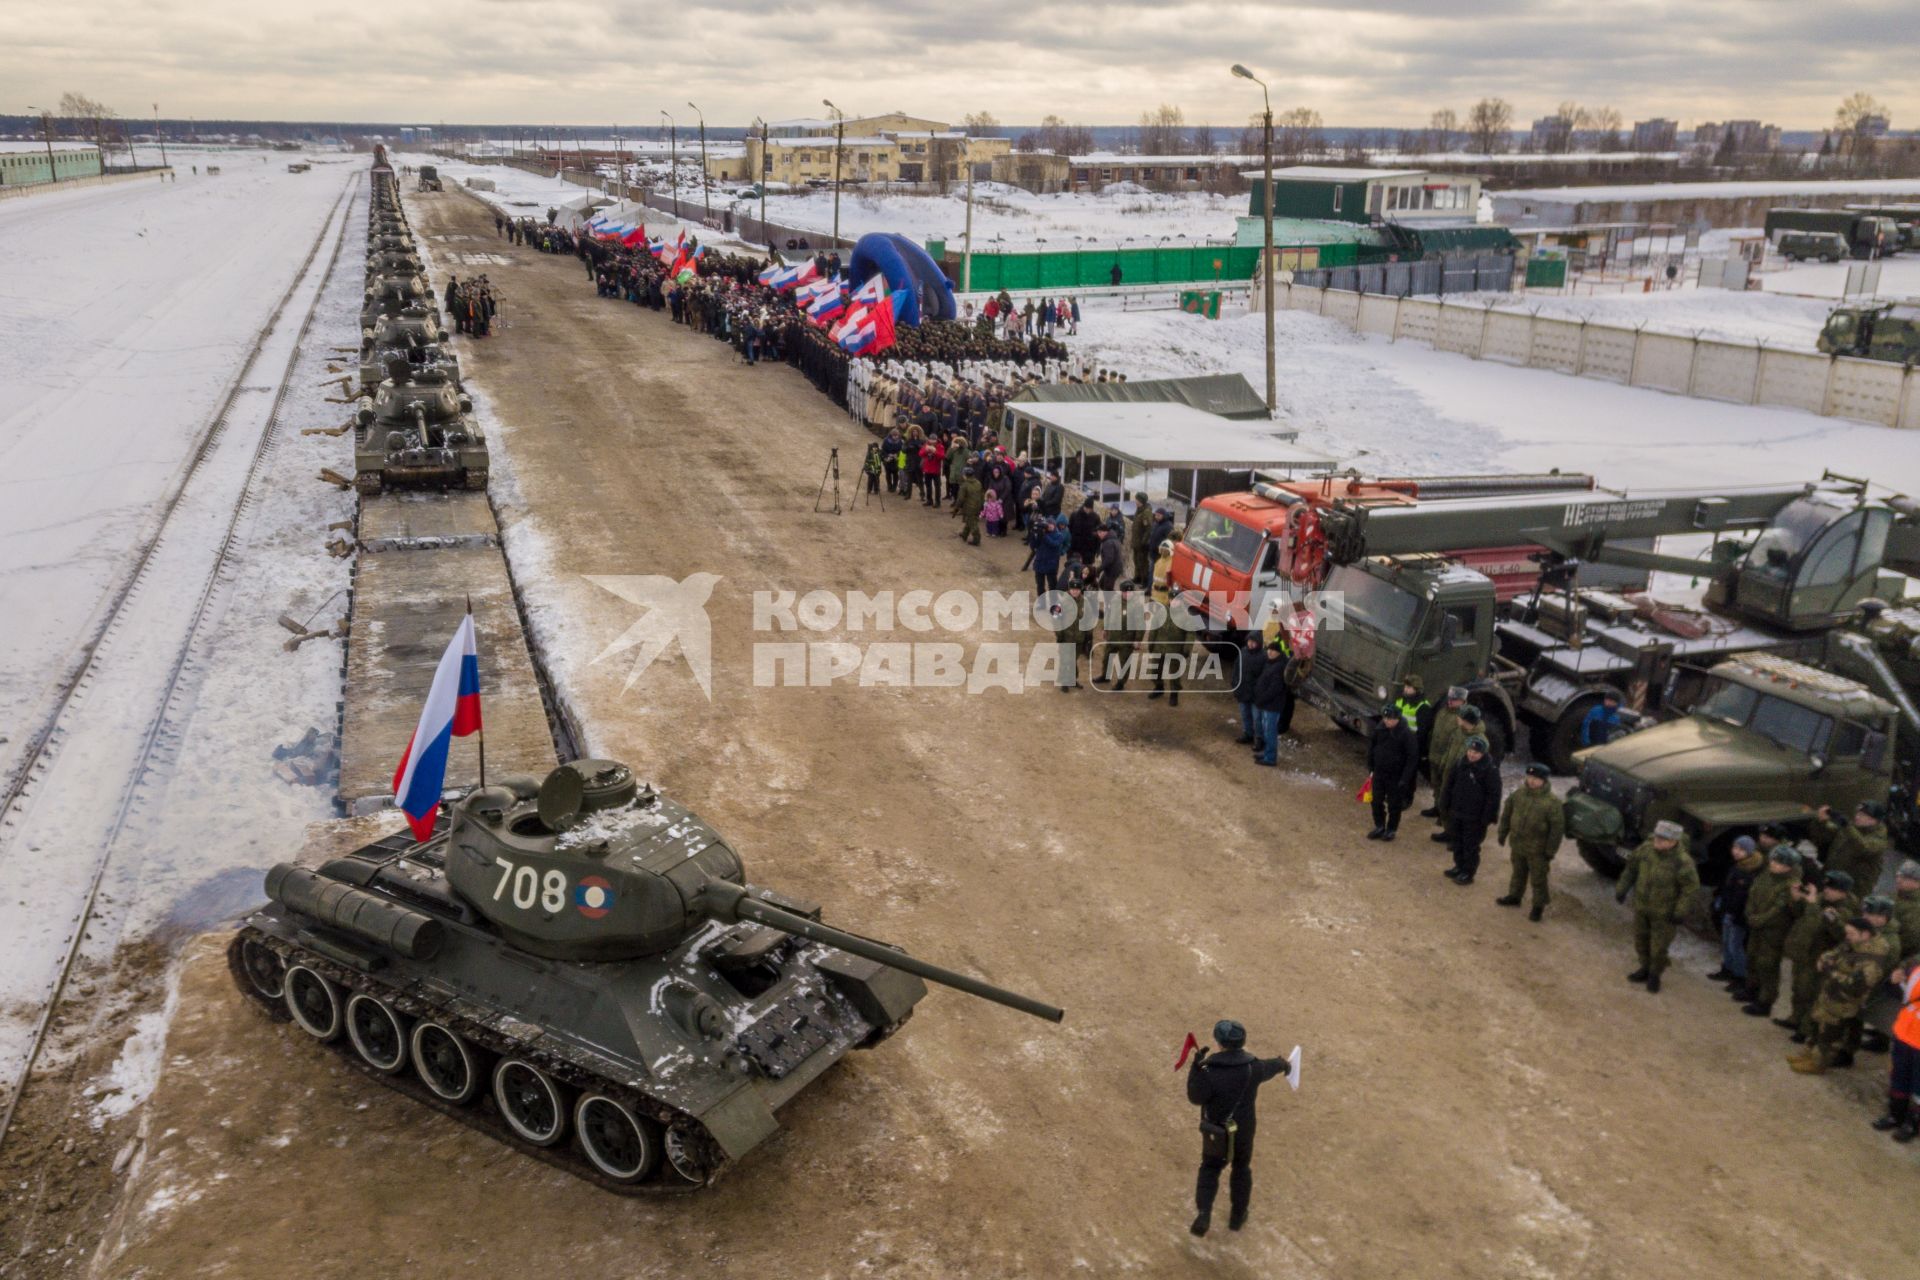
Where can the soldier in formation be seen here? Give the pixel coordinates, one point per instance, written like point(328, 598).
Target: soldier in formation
point(1532, 825)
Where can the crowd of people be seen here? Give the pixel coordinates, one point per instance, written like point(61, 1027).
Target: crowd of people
point(1790, 914)
point(471, 306)
point(999, 317)
point(547, 237)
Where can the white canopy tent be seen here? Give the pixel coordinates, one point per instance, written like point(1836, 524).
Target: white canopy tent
point(1112, 451)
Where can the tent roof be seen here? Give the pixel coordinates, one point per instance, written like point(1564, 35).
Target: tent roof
point(1156, 436)
point(1225, 394)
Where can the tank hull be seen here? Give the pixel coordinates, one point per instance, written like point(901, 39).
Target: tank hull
point(702, 1050)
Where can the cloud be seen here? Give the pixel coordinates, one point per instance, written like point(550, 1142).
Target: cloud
point(1361, 62)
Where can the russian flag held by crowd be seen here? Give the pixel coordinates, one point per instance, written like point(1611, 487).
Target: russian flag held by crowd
point(872, 291)
point(452, 711)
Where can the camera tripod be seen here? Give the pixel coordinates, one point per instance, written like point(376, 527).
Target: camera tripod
point(833, 476)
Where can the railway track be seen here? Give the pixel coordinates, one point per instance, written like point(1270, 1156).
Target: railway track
point(159, 738)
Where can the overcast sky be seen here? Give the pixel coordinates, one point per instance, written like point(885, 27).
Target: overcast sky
point(1362, 62)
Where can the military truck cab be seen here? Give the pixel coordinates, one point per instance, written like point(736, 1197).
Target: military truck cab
point(1765, 739)
point(1889, 331)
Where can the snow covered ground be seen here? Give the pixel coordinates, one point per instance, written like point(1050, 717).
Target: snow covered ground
point(201, 813)
point(127, 311)
point(1014, 220)
point(1400, 407)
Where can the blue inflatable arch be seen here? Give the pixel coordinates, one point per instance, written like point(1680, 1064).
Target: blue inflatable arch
point(907, 267)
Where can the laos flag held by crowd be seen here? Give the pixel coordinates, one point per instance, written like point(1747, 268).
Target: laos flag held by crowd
point(452, 711)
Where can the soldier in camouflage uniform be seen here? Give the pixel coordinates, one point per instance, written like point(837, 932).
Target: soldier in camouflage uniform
point(1532, 825)
point(1443, 741)
point(1848, 974)
point(1772, 907)
point(1662, 878)
point(1858, 848)
point(1887, 944)
point(1123, 629)
point(1817, 929)
point(1906, 908)
point(1169, 646)
point(1445, 753)
point(967, 503)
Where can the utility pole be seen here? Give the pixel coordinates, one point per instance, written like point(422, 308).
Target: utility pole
point(966, 262)
point(706, 198)
point(159, 137)
point(673, 160)
point(766, 164)
point(839, 141)
point(1266, 261)
point(620, 161)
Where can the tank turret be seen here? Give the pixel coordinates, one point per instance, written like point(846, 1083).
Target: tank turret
point(591, 956)
point(417, 431)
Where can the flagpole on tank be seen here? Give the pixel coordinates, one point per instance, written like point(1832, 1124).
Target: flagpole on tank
point(480, 734)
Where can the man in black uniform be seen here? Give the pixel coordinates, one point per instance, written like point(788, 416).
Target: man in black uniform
point(1224, 1085)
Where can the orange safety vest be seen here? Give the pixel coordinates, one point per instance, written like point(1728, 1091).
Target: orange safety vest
point(1906, 1027)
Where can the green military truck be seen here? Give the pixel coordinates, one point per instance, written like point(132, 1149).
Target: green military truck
point(1765, 739)
point(1868, 235)
point(1883, 331)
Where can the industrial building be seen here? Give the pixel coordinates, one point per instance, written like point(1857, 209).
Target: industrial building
point(25, 164)
point(893, 148)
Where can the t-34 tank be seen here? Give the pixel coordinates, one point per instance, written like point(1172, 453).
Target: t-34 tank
point(390, 295)
point(584, 959)
point(415, 336)
point(386, 260)
point(416, 431)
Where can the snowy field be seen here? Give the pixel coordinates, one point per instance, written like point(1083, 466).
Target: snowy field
point(128, 311)
point(144, 308)
point(1013, 220)
point(1403, 408)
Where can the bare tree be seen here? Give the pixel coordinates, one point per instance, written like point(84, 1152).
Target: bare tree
point(1297, 133)
point(1202, 140)
point(1056, 135)
point(1854, 109)
point(1487, 124)
point(89, 114)
point(1604, 125)
point(1442, 125)
point(979, 124)
point(1163, 131)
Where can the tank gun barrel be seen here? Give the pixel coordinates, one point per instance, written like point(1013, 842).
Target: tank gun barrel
point(729, 902)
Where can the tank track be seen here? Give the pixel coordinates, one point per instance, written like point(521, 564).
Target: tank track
point(573, 1068)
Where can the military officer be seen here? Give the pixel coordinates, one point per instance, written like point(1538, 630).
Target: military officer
point(1532, 825)
point(1772, 907)
point(1662, 878)
point(1858, 847)
point(1816, 929)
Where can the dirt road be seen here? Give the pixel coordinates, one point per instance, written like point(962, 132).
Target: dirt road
point(1482, 1097)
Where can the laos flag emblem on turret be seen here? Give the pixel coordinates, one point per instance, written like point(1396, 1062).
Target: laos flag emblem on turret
point(593, 897)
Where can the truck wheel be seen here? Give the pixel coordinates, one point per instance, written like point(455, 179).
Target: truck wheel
point(1499, 737)
point(1563, 738)
point(1603, 858)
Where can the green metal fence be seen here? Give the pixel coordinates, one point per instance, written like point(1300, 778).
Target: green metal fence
point(1091, 268)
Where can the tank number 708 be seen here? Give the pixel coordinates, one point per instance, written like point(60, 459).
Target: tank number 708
point(529, 886)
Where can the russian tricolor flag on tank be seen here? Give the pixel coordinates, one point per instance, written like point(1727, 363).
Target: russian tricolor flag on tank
point(452, 711)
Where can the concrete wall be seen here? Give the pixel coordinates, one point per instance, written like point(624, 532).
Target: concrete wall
point(68, 184)
point(1874, 391)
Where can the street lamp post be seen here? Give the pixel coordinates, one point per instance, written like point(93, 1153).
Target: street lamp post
point(706, 199)
point(1266, 262)
point(673, 160)
point(839, 140)
point(766, 166)
point(46, 133)
point(159, 137)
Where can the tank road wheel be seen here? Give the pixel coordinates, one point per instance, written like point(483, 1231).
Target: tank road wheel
point(264, 968)
point(446, 1064)
point(530, 1102)
point(681, 1158)
point(314, 1003)
point(619, 1144)
point(377, 1033)
point(367, 482)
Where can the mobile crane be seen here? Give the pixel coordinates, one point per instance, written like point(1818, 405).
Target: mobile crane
point(1398, 581)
